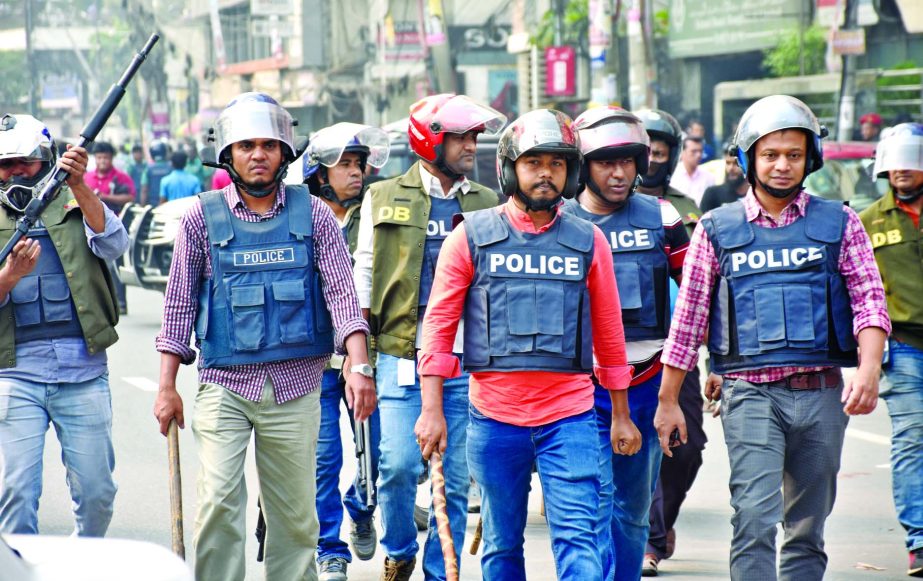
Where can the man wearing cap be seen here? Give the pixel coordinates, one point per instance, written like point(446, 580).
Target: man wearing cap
point(785, 285)
point(893, 223)
point(537, 289)
point(870, 127)
point(648, 243)
point(262, 273)
point(402, 227)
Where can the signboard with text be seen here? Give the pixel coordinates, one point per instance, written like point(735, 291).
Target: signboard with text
point(560, 71)
point(727, 26)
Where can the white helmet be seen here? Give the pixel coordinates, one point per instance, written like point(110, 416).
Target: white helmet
point(25, 137)
point(254, 116)
point(901, 147)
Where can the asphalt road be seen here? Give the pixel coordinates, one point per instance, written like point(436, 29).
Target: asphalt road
point(864, 539)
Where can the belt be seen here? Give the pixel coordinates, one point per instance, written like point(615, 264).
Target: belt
point(817, 380)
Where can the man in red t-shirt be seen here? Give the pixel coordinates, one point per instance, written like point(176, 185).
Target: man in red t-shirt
point(524, 275)
point(114, 187)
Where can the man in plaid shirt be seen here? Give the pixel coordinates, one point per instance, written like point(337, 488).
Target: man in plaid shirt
point(787, 288)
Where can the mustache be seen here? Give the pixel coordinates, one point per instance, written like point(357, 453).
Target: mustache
point(548, 183)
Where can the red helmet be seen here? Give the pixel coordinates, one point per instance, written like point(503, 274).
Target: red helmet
point(434, 116)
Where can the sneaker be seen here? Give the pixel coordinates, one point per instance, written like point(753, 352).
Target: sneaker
point(916, 563)
point(364, 539)
point(671, 543)
point(649, 565)
point(398, 570)
point(333, 569)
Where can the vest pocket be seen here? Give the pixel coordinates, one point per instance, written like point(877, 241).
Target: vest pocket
point(293, 322)
point(24, 297)
point(628, 281)
point(247, 316)
point(535, 311)
point(56, 297)
point(522, 316)
point(784, 317)
point(719, 328)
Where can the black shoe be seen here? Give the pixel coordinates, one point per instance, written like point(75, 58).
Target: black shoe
point(649, 565)
point(916, 563)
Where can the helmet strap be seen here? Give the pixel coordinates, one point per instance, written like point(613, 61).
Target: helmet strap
point(256, 192)
point(780, 193)
point(908, 197)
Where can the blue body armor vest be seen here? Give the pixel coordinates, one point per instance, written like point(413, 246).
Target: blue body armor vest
point(642, 269)
point(437, 230)
point(263, 302)
point(41, 300)
point(780, 299)
point(528, 307)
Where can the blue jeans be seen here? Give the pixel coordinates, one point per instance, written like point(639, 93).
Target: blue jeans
point(501, 458)
point(902, 390)
point(400, 465)
point(784, 448)
point(627, 483)
point(81, 414)
point(330, 462)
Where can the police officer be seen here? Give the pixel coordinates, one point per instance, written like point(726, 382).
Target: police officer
point(58, 313)
point(893, 223)
point(648, 243)
point(678, 472)
point(334, 165)
point(158, 169)
point(786, 285)
point(261, 271)
point(530, 273)
point(402, 227)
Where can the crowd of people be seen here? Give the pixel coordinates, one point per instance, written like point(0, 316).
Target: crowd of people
point(554, 327)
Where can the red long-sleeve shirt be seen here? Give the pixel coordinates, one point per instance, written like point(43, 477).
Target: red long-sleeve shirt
point(524, 398)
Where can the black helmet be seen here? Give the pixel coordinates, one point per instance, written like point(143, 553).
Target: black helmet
point(661, 126)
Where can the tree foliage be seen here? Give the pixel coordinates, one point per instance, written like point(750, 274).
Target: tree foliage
point(14, 89)
point(784, 60)
point(574, 29)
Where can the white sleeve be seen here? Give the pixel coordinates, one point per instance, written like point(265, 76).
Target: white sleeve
point(362, 270)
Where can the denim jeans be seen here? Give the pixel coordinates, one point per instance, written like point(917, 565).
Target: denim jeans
point(400, 465)
point(330, 462)
point(784, 447)
point(627, 483)
point(902, 390)
point(501, 457)
point(81, 414)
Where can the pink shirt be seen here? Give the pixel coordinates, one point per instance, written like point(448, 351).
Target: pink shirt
point(103, 184)
point(700, 271)
point(221, 179)
point(524, 398)
point(692, 185)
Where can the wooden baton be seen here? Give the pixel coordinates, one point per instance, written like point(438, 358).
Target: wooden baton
point(176, 491)
point(442, 517)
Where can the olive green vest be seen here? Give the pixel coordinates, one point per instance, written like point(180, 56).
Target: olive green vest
point(351, 226)
point(400, 213)
point(87, 276)
point(899, 253)
point(686, 207)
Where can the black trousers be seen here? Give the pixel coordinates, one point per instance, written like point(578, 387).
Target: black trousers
point(678, 473)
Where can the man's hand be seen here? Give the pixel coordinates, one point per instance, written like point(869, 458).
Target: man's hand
point(713, 393)
point(360, 394)
point(669, 418)
point(431, 432)
point(168, 406)
point(20, 262)
point(861, 393)
point(625, 437)
point(74, 162)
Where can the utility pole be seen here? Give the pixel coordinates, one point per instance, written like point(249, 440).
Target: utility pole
point(30, 62)
point(846, 111)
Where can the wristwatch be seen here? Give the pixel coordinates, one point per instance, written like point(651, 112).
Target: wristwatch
point(363, 369)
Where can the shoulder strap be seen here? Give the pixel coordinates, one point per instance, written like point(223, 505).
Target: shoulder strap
point(300, 217)
point(575, 233)
point(730, 225)
point(217, 217)
point(485, 227)
point(825, 220)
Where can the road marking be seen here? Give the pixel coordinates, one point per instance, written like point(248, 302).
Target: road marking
point(868, 436)
point(884, 466)
point(142, 383)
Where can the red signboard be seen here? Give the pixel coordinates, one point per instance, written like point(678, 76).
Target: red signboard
point(560, 71)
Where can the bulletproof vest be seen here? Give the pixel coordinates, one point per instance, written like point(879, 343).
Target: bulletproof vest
point(528, 307)
point(263, 302)
point(42, 299)
point(780, 299)
point(155, 173)
point(642, 270)
point(438, 226)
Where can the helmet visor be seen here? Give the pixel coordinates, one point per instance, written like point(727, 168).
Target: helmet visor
point(612, 135)
point(541, 130)
point(904, 152)
point(254, 120)
point(461, 114)
point(328, 144)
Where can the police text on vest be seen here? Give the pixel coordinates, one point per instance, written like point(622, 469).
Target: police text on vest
point(775, 258)
point(634, 239)
point(534, 264)
point(260, 257)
